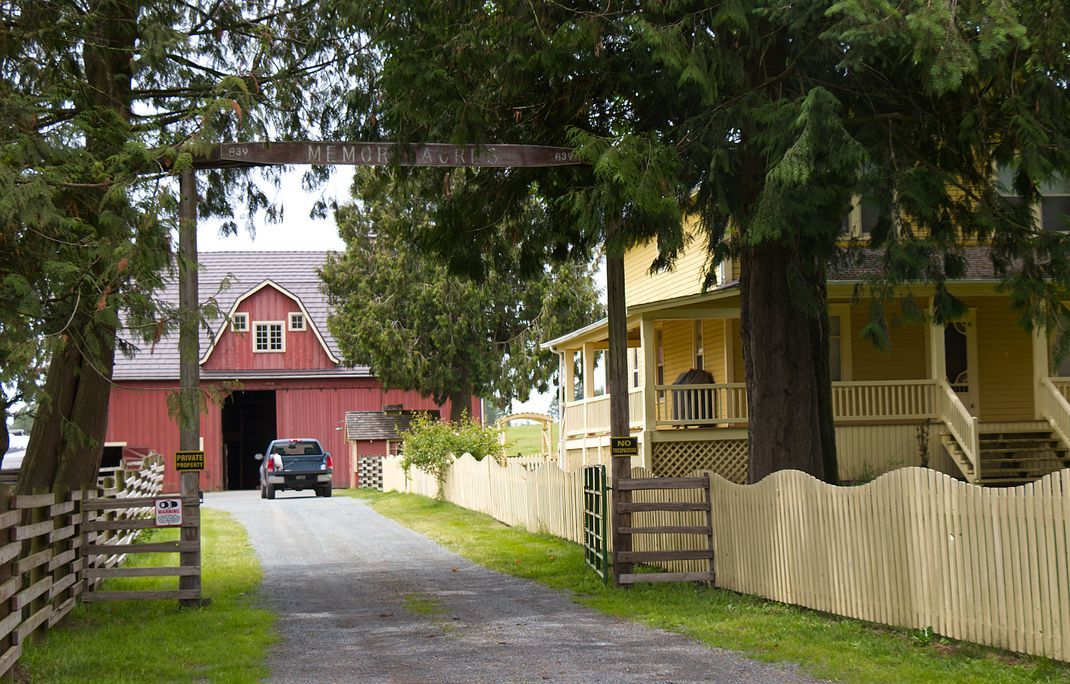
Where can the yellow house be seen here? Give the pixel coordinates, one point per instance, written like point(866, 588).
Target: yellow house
point(978, 399)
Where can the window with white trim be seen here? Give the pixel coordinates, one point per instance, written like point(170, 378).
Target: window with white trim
point(840, 342)
point(268, 336)
point(297, 320)
point(1052, 213)
point(633, 365)
point(239, 322)
point(861, 219)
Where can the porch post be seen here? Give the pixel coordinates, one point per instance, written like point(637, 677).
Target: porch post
point(649, 376)
point(1040, 369)
point(937, 360)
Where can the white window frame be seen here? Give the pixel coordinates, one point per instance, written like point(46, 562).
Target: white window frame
point(244, 318)
point(1036, 208)
point(843, 312)
point(282, 333)
point(698, 351)
point(296, 315)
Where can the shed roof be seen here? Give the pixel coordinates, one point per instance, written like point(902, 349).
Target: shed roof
point(225, 277)
point(362, 425)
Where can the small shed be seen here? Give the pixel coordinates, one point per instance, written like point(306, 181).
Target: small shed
point(375, 433)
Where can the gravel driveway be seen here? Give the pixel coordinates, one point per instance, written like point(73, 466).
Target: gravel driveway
point(363, 599)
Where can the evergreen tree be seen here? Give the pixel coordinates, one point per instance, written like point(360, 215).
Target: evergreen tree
point(100, 102)
point(446, 335)
point(763, 119)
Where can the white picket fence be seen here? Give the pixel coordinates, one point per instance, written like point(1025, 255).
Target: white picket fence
point(915, 548)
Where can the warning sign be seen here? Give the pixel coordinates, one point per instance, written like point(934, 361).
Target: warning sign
point(623, 446)
point(189, 461)
point(168, 512)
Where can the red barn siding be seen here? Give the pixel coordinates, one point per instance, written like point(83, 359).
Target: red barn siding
point(137, 415)
point(303, 408)
point(235, 350)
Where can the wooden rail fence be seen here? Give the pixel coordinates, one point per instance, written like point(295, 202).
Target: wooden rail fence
point(44, 548)
point(914, 548)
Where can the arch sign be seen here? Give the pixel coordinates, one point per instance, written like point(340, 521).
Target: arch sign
point(239, 155)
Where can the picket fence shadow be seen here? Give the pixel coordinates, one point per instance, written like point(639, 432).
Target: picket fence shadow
point(915, 548)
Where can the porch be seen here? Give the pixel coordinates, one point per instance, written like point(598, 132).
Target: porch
point(886, 416)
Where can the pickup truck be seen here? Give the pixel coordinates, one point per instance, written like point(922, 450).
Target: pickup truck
point(295, 464)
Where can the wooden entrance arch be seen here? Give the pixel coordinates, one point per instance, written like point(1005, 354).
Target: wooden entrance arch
point(356, 153)
point(547, 423)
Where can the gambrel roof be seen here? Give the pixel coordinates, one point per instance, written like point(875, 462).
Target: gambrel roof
point(230, 277)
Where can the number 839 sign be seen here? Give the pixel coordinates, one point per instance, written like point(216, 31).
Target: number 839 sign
point(168, 512)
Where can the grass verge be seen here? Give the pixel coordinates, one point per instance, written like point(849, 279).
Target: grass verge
point(155, 641)
point(826, 646)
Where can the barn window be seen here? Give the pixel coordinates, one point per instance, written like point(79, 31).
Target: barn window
point(297, 320)
point(268, 337)
point(239, 322)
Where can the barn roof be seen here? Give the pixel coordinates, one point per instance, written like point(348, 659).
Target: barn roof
point(226, 277)
point(361, 425)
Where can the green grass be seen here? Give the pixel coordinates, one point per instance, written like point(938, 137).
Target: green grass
point(155, 641)
point(526, 440)
point(826, 646)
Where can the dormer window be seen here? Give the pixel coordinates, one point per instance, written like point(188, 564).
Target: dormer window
point(861, 220)
point(239, 322)
point(268, 337)
point(297, 320)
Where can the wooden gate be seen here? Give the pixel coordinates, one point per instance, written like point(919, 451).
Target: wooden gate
point(595, 539)
point(112, 525)
point(661, 513)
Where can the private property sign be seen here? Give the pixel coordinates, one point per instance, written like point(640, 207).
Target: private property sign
point(168, 512)
point(384, 153)
point(189, 461)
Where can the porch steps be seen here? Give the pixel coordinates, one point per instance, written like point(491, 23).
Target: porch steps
point(1014, 457)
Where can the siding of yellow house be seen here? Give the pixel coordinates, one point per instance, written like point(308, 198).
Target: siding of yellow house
point(1005, 360)
point(904, 359)
point(713, 331)
point(676, 338)
point(685, 278)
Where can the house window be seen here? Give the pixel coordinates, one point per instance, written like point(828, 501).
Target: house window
point(1053, 212)
point(1055, 204)
point(577, 375)
point(659, 370)
point(268, 337)
point(599, 371)
point(239, 322)
point(696, 337)
point(861, 219)
point(297, 320)
point(840, 342)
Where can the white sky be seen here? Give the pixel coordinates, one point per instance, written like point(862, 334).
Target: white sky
point(299, 232)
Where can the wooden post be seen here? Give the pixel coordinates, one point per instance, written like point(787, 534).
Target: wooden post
point(189, 372)
point(618, 400)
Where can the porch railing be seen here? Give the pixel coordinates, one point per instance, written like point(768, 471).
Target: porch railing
point(707, 404)
point(1062, 386)
point(591, 415)
point(963, 426)
point(1055, 407)
point(883, 400)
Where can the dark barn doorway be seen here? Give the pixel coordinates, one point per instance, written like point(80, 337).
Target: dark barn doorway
point(248, 425)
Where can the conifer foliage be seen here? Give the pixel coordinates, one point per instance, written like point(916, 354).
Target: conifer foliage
point(765, 120)
point(101, 102)
point(447, 335)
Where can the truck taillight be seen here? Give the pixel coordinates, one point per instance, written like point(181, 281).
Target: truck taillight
point(330, 462)
point(271, 464)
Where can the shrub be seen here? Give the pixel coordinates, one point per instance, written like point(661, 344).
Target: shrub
point(432, 446)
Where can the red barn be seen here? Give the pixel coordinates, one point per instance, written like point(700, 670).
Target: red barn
point(269, 368)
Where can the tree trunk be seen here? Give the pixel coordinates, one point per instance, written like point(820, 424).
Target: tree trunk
point(5, 437)
point(67, 440)
point(458, 406)
point(780, 345)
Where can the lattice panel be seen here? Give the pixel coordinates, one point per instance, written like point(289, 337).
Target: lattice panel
point(370, 472)
point(726, 457)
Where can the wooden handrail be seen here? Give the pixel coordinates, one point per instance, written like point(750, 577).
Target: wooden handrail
point(1056, 409)
point(962, 425)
